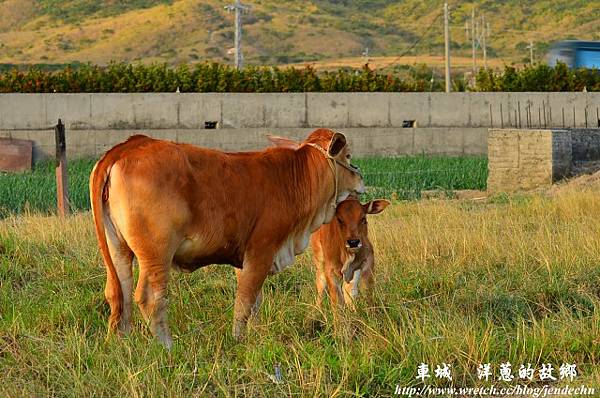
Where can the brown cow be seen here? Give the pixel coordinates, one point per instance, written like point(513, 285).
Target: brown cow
point(181, 206)
point(343, 253)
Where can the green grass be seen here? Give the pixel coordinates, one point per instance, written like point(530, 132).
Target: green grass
point(456, 281)
point(399, 178)
point(36, 190)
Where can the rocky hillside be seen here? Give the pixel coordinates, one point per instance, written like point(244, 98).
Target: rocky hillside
point(279, 31)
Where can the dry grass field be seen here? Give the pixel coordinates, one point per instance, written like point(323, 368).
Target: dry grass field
point(379, 63)
point(507, 279)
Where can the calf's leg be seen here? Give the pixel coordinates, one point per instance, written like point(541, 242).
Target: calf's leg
point(366, 281)
point(351, 289)
point(321, 280)
point(334, 287)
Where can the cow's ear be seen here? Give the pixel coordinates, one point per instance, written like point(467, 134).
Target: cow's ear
point(376, 206)
point(337, 143)
point(283, 142)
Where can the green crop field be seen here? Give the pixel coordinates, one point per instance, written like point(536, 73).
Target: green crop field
point(504, 280)
point(400, 178)
point(35, 191)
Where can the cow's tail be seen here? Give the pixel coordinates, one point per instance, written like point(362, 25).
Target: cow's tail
point(98, 198)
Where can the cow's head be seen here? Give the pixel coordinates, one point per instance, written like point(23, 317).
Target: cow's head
point(349, 178)
point(334, 146)
point(351, 218)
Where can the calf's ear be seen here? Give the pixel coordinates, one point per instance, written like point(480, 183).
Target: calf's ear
point(376, 206)
point(337, 143)
point(282, 142)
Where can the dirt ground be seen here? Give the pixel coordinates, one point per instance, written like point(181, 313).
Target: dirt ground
point(584, 176)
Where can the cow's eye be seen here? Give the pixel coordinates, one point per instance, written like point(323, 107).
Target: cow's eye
point(364, 220)
point(348, 156)
point(340, 220)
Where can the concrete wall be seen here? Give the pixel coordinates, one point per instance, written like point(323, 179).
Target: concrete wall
point(365, 142)
point(295, 110)
point(527, 159)
point(453, 124)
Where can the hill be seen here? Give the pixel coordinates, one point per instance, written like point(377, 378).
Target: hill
point(280, 31)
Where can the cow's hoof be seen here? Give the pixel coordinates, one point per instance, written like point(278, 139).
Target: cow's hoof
point(167, 343)
point(124, 328)
point(165, 340)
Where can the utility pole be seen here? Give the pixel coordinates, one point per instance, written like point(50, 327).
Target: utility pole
point(482, 39)
point(530, 47)
point(447, 47)
point(365, 55)
point(486, 33)
point(473, 37)
point(238, 8)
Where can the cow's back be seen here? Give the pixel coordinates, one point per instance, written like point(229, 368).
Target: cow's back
point(175, 192)
point(210, 202)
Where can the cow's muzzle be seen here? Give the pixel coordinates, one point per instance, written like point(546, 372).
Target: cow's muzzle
point(361, 189)
point(353, 245)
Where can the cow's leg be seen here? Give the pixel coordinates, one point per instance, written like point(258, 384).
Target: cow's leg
point(351, 289)
point(321, 284)
point(151, 296)
point(250, 281)
point(122, 258)
point(336, 295)
point(367, 281)
point(320, 279)
point(334, 286)
point(144, 297)
point(259, 296)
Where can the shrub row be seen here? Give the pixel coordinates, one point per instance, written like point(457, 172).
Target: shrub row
point(213, 77)
point(539, 78)
point(206, 77)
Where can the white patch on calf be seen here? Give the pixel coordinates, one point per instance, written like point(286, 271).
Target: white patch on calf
point(354, 283)
point(351, 289)
point(347, 270)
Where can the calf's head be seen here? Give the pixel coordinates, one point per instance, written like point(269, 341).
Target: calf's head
point(351, 217)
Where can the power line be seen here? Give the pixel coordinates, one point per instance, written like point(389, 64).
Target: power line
point(412, 46)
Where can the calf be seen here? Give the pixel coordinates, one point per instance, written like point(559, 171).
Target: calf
point(343, 253)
